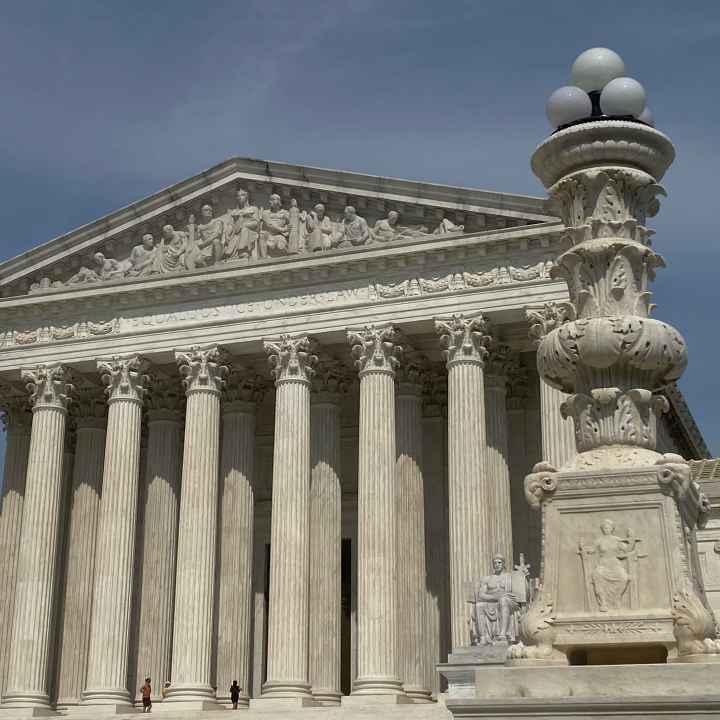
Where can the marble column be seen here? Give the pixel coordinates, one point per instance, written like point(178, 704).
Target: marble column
point(161, 497)
point(469, 489)
point(32, 640)
point(291, 361)
point(204, 375)
point(328, 388)
point(496, 462)
point(245, 390)
point(558, 435)
point(108, 655)
point(376, 351)
point(411, 615)
point(17, 420)
point(89, 412)
point(437, 585)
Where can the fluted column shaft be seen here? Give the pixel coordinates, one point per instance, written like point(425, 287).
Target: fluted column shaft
point(497, 466)
point(237, 486)
point(325, 547)
point(412, 623)
point(195, 582)
point(162, 500)
point(469, 487)
point(287, 670)
point(378, 672)
point(35, 585)
point(558, 436)
point(17, 421)
point(115, 551)
point(79, 575)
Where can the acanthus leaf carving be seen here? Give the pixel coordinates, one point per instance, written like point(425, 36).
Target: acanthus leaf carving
point(291, 358)
point(376, 348)
point(463, 339)
point(538, 633)
point(124, 377)
point(203, 369)
point(694, 626)
point(540, 484)
point(49, 386)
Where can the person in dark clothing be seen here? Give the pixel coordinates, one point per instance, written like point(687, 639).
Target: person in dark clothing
point(235, 694)
point(146, 693)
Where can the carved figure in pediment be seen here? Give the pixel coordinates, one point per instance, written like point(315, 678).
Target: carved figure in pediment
point(353, 229)
point(109, 268)
point(447, 227)
point(387, 229)
point(241, 231)
point(613, 571)
point(171, 251)
point(142, 257)
point(204, 243)
point(83, 276)
point(496, 602)
point(296, 217)
point(319, 230)
point(275, 230)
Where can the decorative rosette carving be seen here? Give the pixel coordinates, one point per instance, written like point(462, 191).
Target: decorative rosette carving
point(463, 339)
point(124, 377)
point(49, 386)
point(203, 369)
point(376, 349)
point(291, 358)
point(540, 484)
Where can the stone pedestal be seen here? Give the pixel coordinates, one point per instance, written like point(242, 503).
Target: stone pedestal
point(287, 671)
point(203, 376)
point(80, 565)
point(17, 421)
point(470, 497)
point(376, 350)
point(237, 487)
point(328, 388)
point(463, 663)
point(27, 685)
point(107, 668)
point(161, 497)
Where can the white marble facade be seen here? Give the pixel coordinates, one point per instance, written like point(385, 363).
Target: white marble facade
point(334, 366)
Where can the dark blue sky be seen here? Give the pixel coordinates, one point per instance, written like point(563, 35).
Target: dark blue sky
point(105, 102)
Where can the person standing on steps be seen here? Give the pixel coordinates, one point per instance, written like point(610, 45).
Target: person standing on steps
point(235, 694)
point(146, 693)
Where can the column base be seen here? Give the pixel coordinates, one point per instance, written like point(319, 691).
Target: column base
point(100, 710)
point(417, 694)
point(107, 696)
point(186, 706)
point(26, 699)
point(359, 701)
point(26, 712)
point(190, 694)
point(377, 686)
point(326, 696)
point(285, 689)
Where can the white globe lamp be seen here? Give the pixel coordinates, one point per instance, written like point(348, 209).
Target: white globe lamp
point(595, 68)
point(623, 96)
point(566, 105)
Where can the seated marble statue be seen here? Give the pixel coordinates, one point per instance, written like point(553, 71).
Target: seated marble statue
point(275, 235)
point(496, 602)
point(387, 229)
point(171, 251)
point(353, 230)
point(448, 226)
point(241, 231)
point(319, 230)
point(142, 257)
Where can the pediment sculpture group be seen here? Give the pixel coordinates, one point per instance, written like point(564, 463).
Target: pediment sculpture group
point(246, 233)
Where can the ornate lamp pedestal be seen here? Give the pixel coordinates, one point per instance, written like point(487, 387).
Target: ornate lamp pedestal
point(622, 599)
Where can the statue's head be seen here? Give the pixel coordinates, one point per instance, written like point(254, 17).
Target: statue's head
point(275, 202)
point(319, 210)
point(393, 217)
point(498, 563)
point(242, 198)
point(207, 212)
point(168, 232)
point(148, 241)
point(607, 527)
point(350, 213)
point(99, 259)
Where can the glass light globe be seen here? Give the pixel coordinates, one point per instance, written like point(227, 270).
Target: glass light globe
point(595, 68)
point(646, 116)
point(623, 96)
point(566, 105)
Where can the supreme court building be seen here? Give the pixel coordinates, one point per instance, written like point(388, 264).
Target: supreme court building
point(267, 425)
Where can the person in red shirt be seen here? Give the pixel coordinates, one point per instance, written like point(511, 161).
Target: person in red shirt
point(146, 693)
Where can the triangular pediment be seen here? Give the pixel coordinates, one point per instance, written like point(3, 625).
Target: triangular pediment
point(201, 222)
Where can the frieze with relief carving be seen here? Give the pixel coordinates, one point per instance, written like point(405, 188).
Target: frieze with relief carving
point(242, 234)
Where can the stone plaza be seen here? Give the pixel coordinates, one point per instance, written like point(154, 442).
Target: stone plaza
point(327, 434)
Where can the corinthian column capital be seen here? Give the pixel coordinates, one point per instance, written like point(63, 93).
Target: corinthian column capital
point(376, 349)
point(165, 398)
point(202, 369)
point(49, 386)
point(463, 340)
point(413, 374)
point(245, 389)
point(497, 363)
point(331, 380)
point(291, 358)
point(16, 415)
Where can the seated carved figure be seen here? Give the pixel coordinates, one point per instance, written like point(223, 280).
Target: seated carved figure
point(171, 251)
point(275, 232)
point(241, 232)
point(142, 257)
point(354, 229)
point(319, 230)
point(496, 602)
